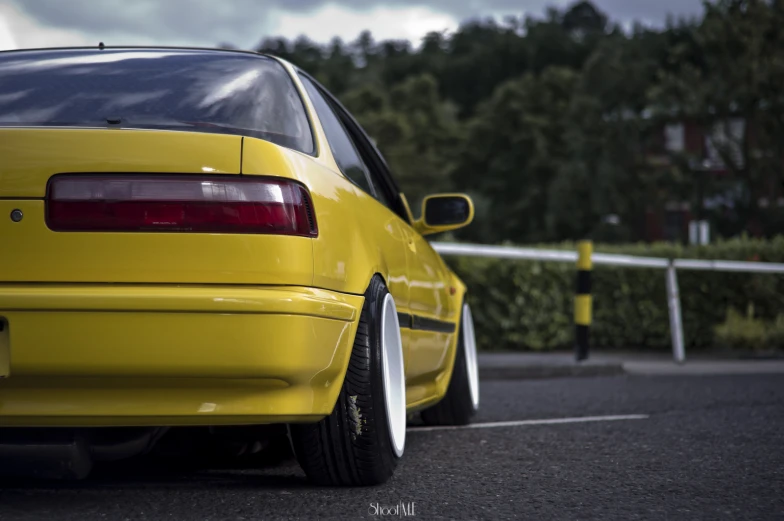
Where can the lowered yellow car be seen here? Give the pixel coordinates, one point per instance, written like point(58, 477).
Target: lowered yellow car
point(208, 238)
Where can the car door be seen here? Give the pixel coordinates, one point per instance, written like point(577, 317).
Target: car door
point(434, 315)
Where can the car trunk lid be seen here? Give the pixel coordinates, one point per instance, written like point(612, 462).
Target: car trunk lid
point(33, 252)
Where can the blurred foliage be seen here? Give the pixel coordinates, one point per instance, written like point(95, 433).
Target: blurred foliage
point(528, 305)
point(414, 128)
point(546, 120)
point(548, 123)
point(747, 332)
point(732, 66)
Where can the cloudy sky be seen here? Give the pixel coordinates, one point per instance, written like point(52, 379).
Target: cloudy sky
point(43, 23)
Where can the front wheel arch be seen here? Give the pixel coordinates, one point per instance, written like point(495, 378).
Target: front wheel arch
point(461, 401)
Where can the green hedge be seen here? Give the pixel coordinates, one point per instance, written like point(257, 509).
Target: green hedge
point(750, 333)
point(528, 305)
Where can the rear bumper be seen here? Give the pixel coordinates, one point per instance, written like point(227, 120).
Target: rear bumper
point(162, 355)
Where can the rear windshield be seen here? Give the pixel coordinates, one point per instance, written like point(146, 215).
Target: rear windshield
point(157, 89)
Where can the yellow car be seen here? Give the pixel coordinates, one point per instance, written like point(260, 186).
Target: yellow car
point(198, 237)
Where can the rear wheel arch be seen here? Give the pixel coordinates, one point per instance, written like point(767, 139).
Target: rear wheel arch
point(361, 441)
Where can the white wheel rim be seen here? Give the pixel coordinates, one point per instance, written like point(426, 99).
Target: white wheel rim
point(394, 375)
point(469, 347)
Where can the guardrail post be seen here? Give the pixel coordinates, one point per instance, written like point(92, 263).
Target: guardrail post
point(582, 300)
point(676, 323)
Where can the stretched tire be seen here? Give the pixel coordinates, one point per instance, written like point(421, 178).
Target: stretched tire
point(360, 443)
point(462, 396)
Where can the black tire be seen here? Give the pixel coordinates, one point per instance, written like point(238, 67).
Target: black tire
point(353, 446)
point(456, 407)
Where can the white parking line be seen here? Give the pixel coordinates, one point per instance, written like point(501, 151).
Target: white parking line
point(520, 423)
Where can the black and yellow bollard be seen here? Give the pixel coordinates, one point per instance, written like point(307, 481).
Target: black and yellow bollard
point(582, 300)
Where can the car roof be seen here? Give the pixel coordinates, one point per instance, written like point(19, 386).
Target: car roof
point(102, 47)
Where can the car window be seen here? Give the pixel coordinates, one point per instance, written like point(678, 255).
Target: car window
point(187, 90)
point(369, 155)
point(345, 153)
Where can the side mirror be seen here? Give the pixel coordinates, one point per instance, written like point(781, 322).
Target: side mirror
point(444, 212)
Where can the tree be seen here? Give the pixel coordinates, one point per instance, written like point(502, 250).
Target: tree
point(414, 129)
point(512, 154)
point(548, 121)
point(728, 78)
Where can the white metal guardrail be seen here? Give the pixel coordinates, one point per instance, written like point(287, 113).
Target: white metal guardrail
point(630, 261)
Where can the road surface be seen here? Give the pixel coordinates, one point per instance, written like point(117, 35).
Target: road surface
point(685, 447)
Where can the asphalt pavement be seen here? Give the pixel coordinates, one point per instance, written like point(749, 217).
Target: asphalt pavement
point(656, 447)
point(515, 365)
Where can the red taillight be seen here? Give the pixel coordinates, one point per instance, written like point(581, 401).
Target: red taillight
point(213, 204)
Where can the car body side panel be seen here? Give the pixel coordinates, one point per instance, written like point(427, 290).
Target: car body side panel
point(432, 296)
point(432, 357)
point(358, 237)
point(432, 291)
point(370, 241)
point(430, 365)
